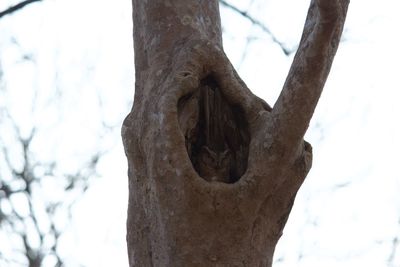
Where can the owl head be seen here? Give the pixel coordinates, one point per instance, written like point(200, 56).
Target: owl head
point(214, 166)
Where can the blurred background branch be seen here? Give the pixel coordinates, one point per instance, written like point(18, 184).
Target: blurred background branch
point(17, 7)
point(29, 215)
point(258, 23)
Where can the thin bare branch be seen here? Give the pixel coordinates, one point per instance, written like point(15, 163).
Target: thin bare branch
point(256, 22)
point(17, 7)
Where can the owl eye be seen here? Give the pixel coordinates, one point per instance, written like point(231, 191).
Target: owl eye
point(224, 160)
point(205, 159)
point(226, 155)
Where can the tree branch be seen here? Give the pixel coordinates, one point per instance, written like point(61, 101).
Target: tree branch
point(17, 7)
point(256, 22)
point(310, 68)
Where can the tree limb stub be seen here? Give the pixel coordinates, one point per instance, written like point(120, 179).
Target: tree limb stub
point(213, 170)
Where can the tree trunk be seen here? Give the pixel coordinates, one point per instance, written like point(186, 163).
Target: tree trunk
point(213, 170)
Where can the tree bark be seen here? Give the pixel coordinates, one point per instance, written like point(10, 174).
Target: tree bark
point(213, 170)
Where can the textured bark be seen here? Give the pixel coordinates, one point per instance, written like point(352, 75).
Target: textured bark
point(213, 170)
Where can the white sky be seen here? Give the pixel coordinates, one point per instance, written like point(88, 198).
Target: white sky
point(348, 210)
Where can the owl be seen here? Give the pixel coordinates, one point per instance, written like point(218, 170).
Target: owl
point(214, 166)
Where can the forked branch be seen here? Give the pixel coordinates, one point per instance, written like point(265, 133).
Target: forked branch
point(213, 170)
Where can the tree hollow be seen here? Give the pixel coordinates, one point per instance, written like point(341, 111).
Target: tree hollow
point(216, 133)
